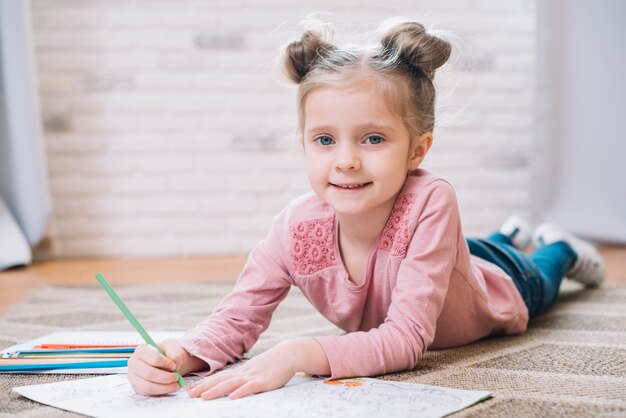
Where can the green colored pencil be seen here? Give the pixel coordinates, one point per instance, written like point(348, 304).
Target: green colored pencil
point(129, 315)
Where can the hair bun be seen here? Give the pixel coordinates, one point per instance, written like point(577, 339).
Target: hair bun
point(300, 55)
point(416, 47)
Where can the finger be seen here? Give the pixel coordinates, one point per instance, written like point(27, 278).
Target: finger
point(153, 374)
point(145, 388)
point(151, 356)
point(249, 388)
point(171, 348)
point(168, 343)
point(205, 384)
point(223, 388)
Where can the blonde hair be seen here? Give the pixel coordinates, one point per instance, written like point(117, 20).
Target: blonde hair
point(402, 67)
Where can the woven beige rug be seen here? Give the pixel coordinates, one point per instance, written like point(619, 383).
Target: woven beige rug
point(570, 363)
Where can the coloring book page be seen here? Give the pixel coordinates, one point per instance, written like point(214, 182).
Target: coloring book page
point(303, 396)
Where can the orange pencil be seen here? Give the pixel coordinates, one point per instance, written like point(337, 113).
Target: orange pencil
point(78, 346)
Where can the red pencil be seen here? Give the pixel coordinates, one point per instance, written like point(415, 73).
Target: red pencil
point(78, 346)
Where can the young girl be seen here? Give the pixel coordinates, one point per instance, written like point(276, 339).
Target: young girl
point(378, 246)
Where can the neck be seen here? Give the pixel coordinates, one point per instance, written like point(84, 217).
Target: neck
point(363, 229)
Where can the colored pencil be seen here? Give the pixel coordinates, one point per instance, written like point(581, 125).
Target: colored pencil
point(63, 365)
point(128, 350)
point(76, 346)
point(129, 315)
point(67, 357)
point(56, 359)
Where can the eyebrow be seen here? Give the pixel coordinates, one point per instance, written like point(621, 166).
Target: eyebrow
point(363, 126)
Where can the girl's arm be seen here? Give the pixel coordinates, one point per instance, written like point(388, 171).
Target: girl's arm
point(312, 358)
point(267, 371)
point(240, 318)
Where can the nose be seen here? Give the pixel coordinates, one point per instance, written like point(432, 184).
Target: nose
point(347, 158)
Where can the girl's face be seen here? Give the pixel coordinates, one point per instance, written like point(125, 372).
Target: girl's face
point(358, 153)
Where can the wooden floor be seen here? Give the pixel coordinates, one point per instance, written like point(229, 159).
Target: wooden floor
point(16, 284)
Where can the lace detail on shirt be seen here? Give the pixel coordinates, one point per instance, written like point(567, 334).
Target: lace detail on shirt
point(313, 245)
point(396, 233)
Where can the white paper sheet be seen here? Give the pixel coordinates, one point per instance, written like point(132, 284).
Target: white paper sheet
point(89, 337)
point(112, 396)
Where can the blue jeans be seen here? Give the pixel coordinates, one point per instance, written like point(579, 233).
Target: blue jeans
point(537, 276)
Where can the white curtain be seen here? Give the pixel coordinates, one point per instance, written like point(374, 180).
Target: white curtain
point(23, 173)
point(580, 154)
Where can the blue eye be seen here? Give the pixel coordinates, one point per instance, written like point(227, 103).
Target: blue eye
point(324, 140)
point(374, 139)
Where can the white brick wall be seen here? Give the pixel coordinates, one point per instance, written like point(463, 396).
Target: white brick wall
point(170, 132)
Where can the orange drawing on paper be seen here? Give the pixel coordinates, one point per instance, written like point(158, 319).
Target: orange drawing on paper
point(349, 384)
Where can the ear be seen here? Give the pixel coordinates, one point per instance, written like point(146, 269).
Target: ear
point(419, 148)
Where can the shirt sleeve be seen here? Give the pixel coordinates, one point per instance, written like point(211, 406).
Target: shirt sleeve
point(417, 300)
point(237, 322)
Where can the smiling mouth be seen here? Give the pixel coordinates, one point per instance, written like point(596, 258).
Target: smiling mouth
point(351, 185)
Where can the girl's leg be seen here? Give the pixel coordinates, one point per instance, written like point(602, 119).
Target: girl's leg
point(525, 275)
point(537, 277)
point(500, 238)
point(553, 262)
point(503, 248)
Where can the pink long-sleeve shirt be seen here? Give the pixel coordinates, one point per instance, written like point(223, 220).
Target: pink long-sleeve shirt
point(422, 288)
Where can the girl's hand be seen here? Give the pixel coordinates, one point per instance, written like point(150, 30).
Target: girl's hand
point(268, 371)
point(150, 373)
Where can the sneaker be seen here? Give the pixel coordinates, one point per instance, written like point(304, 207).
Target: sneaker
point(589, 268)
point(518, 231)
